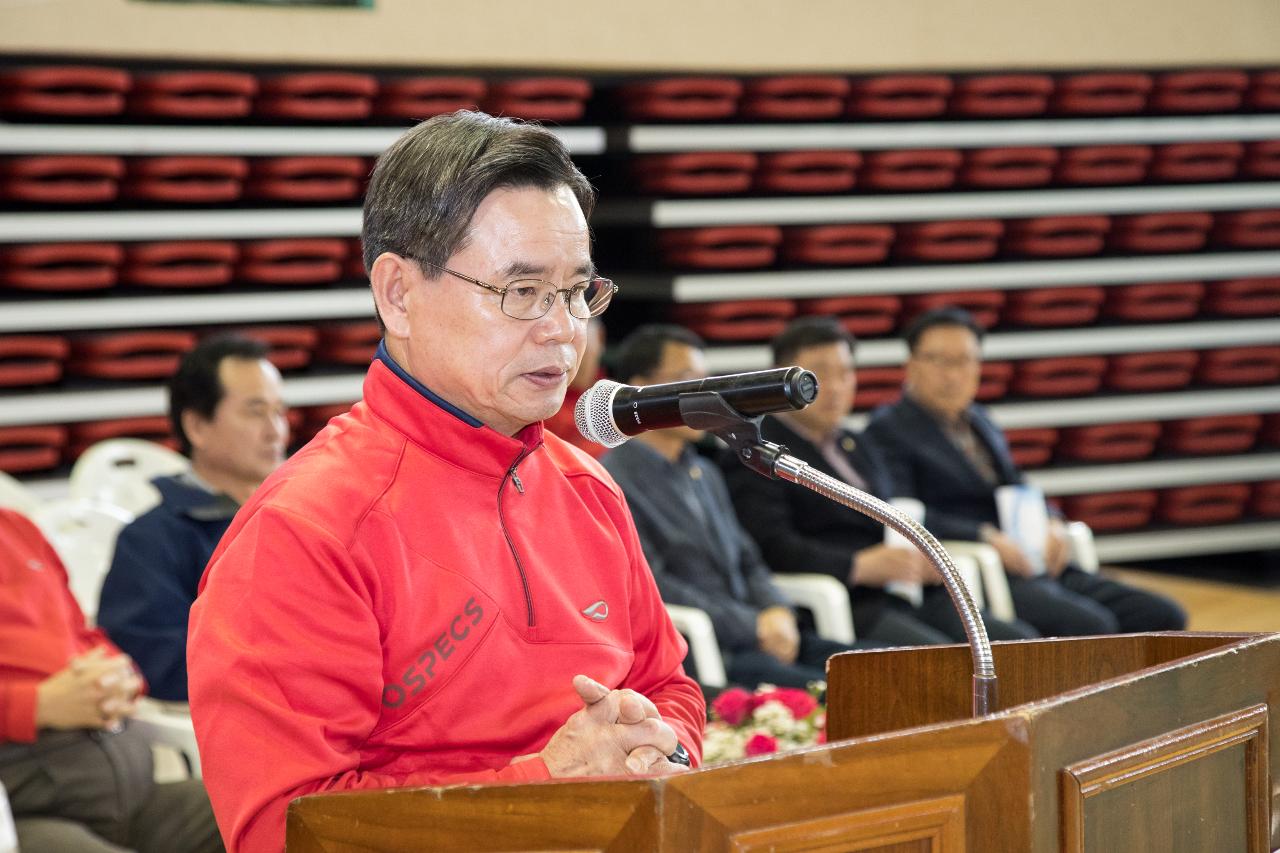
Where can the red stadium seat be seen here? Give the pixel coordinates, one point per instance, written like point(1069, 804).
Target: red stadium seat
point(306, 178)
point(301, 261)
point(1031, 448)
point(317, 96)
point(994, 381)
point(63, 90)
point(152, 354)
point(1270, 432)
point(31, 359)
point(354, 267)
point(1054, 306)
point(539, 98)
point(1248, 229)
point(201, 95)
point(837, 245)
point(794, 97)
point(1160, 232)
point(878, 385)
point(1206, 436)
point(1002, 95)
point(746, 320)
point(860, 315)
point(1240, 366)
point(1215, 504)
point(899, 96)
point(1057, 236)
point(348, 343)
point(416, 98)
point(1264, 91)
point(1104, 164)
point(955, 240)
point(910, 170)
point(998, 168)
point(729, 247)
point(1216, 91)
point(681, 98)
point(1101, 93)
point(1244, 297)
point(808, 171)
point(1196, 161)
point(1261, 159)
point(78, 179)
point(1109, 442)
point(1070, 376)
point(1111, 511)
point(82, 436)
point(695, 173)
point(1157, 302)
point(31, 448)
point(290, 346)
point(186, 263)
point(186, 180)
point(1151, 371)
point(60, 266)
point(1264, 500)
point(984, 305)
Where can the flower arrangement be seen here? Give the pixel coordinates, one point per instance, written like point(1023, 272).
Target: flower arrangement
point(769, 720)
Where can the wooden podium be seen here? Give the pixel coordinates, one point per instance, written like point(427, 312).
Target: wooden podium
point(1148, 742)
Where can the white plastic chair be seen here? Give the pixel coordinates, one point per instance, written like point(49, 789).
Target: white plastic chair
point(1084, 553)
point(826, 597)
point(119, 471)
point(992, 591)
point(697, 629)
point(168, 724)
point(8, 832)
point(84, 535)
point(16, 496)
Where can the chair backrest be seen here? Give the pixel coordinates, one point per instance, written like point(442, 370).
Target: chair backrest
point(16, 496)
point(84, 534)
point(119, 471)
point(8, 832)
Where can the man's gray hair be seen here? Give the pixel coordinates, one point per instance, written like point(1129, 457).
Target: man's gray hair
point(426, 187)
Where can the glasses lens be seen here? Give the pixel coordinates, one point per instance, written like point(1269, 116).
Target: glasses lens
point(528, 300)
point(595, 297)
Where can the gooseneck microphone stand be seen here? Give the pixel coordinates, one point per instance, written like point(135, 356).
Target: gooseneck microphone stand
point(708, 411)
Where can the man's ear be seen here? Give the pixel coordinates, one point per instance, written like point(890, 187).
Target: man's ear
point(389, 278)
point(195, 427)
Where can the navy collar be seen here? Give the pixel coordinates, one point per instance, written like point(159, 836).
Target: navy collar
point(385, 357)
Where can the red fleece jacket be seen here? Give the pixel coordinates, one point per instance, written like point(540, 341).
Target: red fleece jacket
point(41, 626)
point(406, 601)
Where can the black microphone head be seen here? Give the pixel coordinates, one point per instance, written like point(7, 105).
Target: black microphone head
point(801, 387)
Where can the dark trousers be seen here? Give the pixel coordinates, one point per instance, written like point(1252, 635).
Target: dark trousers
point(886, 618)
point(1077, 603)
point(86, 792)
point(750, 668)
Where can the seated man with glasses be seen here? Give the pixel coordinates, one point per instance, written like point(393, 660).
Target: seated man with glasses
point(434, 590)
point(945, 450)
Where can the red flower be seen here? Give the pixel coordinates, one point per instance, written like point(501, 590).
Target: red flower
point(760, 744)
point(799, 702)
point(733, 705)
point(822, 736)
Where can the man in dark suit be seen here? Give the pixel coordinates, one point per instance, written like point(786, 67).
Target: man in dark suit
point(800, 531)
point(945, 450)
point(700, 555)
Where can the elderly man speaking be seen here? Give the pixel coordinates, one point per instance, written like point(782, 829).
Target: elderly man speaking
point(434, 590)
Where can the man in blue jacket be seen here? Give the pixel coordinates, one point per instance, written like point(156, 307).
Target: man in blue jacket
point(226, 409)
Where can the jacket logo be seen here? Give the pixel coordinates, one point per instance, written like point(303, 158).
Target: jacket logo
point(35, 565)
point(597, 612)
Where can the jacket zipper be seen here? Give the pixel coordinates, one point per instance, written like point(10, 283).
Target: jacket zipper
point(502, 520)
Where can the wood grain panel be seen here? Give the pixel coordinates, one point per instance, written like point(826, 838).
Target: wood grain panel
point(936, 826)
point(1154, 794)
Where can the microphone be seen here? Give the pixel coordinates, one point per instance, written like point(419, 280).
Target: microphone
point(609, 413)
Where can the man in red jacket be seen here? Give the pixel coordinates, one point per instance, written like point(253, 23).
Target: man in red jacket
point(435, 590)
point(78, 778)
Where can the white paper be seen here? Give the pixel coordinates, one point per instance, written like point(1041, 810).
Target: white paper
point(912, 592)
point(1024, 518)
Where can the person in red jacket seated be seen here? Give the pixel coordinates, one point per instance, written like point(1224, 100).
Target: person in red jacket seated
point(435, 590)
point(78, 778)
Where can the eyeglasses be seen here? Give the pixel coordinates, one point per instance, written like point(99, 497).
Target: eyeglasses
point(531, 298)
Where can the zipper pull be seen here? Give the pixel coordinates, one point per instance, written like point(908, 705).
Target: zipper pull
point(515, 478)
